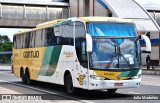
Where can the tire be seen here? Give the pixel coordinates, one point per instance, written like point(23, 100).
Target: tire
point(111, 90)
point(12, 69)
point(23, 77)
point(69, 84)
point(28, 80)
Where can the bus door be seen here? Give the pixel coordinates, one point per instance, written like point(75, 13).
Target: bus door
point(81, 64)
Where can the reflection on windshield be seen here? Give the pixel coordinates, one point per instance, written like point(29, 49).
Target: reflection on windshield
point(114, 53)
point(111, 29)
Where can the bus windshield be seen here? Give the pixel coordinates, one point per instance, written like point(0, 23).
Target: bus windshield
point(111, 29)
point(115, 46)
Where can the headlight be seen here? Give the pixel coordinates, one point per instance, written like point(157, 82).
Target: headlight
point(97, 77)
point(137, 76)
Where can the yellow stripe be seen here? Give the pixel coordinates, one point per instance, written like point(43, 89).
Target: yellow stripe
point(110, 75)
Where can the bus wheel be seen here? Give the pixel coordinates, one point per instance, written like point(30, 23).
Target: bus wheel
point(111, 90)
point(23, 76)
point(69, 84)
point(28, 80)
point(12, 68)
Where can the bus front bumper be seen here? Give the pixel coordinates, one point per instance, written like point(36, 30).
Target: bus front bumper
point(113, 84)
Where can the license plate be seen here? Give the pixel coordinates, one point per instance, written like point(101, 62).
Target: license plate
point(118, 84)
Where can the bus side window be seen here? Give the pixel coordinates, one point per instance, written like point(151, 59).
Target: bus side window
point(58, 40)
point(58, 35)
point(38, 38)
point(53, 38)
point(28, 36)
point(23, 40)
point(79, 30)
point(67, 34)
point(14, 41)
point(32, 40)
point(19, 41)
point(50, 37)
point(47, 38)
point(43, 38)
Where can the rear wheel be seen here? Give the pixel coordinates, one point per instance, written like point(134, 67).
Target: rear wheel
point(12, 68)
point(111, 90)
point(23, 76)
point(69, 84)
point(28, 80)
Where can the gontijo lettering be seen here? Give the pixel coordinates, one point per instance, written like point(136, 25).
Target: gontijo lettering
point(31, 54)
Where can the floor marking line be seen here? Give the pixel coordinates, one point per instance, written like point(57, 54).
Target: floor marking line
point(152, 78)
point(45, 91)
point(134, 93)
point(150, 84)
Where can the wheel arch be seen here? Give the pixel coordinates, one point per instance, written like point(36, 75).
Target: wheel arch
point(65, 78)
point(65, 74)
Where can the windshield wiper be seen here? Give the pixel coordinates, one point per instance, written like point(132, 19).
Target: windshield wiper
point(112, 58)
point(117, 54)
point(124, 57)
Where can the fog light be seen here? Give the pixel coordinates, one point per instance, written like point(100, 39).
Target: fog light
point(97, 77)
point(137, 76)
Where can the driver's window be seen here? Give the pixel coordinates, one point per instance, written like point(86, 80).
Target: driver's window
point(80, 43)
point(83, 51)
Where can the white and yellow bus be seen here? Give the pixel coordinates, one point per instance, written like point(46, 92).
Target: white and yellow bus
point(92, 53)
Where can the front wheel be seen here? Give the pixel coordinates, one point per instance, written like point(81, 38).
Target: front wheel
point(69, 84)
point(111, 90)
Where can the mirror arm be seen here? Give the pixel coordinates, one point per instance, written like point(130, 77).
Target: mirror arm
point(148, 43)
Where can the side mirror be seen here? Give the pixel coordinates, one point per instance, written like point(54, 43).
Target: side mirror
point(148, 44)
point(89, 43)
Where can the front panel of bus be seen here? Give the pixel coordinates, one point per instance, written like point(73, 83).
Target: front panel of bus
point(114, 61)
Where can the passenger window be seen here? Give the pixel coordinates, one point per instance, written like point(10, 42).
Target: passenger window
point(38, 38)
point(50, 37)
point(67, 35)
point(14, 41)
